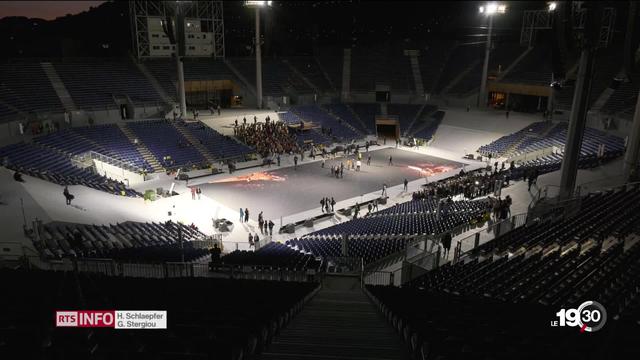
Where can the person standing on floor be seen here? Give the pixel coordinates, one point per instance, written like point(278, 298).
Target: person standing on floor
point(369, 160)
point(322, 205)
point(251, 243)
point(193, 193)
point(246, 215)
point(271, 225)
point(333, 203)
point(67, 195)
point(406, 183)
point(256, 240)
point(199, 192)
point(390, 160)
point(260, 222)
point(446, 244)
point(241, 215)
point(295, 162)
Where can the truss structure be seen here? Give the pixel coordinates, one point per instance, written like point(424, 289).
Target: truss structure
point(210, 13)
point(534, 20)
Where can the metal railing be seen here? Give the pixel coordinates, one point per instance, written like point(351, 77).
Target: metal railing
point(112, 161)
point(469, 244)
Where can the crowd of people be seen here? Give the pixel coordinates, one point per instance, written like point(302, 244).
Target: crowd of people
point(468, 184)
point(264, 226)
point(269, 137)
point(327, 205)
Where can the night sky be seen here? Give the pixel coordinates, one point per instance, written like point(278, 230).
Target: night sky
point(47, 10)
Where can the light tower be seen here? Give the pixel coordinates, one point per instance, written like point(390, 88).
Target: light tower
point(257, 5)
point(489, 10)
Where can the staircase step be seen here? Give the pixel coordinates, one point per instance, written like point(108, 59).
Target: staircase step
point(338, 323)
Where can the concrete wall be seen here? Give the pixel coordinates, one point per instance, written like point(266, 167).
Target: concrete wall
point(116, 173)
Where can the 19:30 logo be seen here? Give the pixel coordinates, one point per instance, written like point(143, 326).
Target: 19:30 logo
point(590, 316)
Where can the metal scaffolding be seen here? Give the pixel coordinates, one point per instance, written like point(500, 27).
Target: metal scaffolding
point(210, 13)
point(534, 20)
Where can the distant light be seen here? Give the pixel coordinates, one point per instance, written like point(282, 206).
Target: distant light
point(552, 6)
point(258, 3)
point(493, 8)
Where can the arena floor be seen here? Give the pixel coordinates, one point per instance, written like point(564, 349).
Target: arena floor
point(291, 191)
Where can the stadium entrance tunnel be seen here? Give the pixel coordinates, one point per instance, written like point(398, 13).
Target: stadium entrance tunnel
point(388, 128)
point(387, 131)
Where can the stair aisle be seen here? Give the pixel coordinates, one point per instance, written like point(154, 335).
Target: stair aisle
point(338, 323)
point(142, 149)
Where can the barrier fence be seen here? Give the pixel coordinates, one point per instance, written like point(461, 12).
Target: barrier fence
point(470, 244)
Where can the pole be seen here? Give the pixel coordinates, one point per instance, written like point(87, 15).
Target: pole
point(181, 92)
point(578, 117)
point(258, 62)
point(180, 53)
point(485, 67)
point(24, 217)
point(633, 146)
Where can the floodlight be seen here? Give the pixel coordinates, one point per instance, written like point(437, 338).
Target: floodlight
point(553, 5)
point(258, 3)
point(493, 8)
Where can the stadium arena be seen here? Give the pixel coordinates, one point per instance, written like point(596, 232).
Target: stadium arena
point(319, 180)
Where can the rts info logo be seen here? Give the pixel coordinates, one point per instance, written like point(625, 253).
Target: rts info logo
point(590, 316)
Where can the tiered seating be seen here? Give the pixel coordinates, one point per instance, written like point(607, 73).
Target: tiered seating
point(164, 70)
point(436, 313)
point(220, 146)
point(608, 63)
point(405, 112)
point(506, 143)
point(277, 77)
point(331, 60)
point(592, 139)
point(623, 100)
point(450, 326)
point(367, 113)
point(344, 113)
point(114, 143)
point(428, 131)
point(163, 139)
point(317, 115)
point(458, 61)
point(407, 224)
point(206, 318)
point(432, 61)
point(272, 255)
point(369, 249)
point(388, 231)
point(94, 85)
point(129, 241)
point(501, 57)
point(67, 141)
point(308, 66)
point(602, 214)
point(25, 86)
point(51, 165)
point(305, 136)
point(369, 66)
point(534, 69)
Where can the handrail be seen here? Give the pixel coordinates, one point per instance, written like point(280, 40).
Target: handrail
point(113, 161)
point(497, 229)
